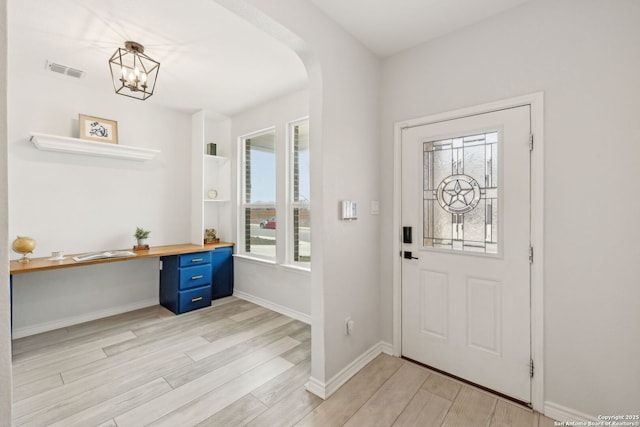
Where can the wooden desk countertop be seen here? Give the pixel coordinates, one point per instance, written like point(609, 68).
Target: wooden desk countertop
point(42, 264)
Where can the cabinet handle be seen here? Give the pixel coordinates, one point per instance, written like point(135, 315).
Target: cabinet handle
point(197, 260)
point(196, 277)
point(196, 299)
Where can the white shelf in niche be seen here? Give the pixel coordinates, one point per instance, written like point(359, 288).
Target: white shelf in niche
point(65, 144)
point(216, 200)
point(220, 159)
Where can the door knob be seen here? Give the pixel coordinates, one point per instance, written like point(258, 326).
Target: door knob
point(409, 255)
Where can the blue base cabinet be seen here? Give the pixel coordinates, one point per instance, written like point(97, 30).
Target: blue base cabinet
point(191, 281)
point(185, 281)
point(222, 271)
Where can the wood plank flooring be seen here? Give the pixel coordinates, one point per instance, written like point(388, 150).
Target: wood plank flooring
point(233, 364)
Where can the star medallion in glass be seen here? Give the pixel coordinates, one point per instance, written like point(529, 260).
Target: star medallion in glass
point(461, 193)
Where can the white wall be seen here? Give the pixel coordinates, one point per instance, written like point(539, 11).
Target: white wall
point(276, 284)
point(5, 309)
point(344, 80)
point(583, 54)
point(78, 204)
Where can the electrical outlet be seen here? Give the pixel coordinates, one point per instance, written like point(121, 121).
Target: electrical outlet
point(348, 326)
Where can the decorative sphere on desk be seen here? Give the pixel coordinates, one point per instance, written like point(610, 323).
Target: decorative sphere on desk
point(24, 246)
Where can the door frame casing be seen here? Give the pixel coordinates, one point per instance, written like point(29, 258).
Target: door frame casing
point(536, 102)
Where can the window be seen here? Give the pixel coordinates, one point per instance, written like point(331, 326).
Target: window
point(299, 206)
point(258, 201)
point(274, 207)
point(461, 193)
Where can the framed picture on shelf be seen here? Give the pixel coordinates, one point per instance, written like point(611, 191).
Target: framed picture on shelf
point(98, 129)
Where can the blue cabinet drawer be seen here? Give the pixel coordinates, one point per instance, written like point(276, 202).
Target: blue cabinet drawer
point(190, 281)
point(191, 277)
point(194, 259)
point(193, 299)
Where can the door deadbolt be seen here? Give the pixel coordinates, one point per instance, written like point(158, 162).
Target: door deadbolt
point(406, 235)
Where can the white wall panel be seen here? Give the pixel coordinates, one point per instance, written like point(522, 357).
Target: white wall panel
point(583, 55)
point(5, 308)
point(344, 83)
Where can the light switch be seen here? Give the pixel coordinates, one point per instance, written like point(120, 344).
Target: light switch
point(374, 207)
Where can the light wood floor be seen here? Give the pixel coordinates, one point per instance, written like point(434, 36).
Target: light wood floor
point(229, 365)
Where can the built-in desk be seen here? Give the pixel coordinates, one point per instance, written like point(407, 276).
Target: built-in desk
point(219, 280)
point(41, 264)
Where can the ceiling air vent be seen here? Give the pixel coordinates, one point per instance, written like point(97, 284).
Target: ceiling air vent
point(63, 69)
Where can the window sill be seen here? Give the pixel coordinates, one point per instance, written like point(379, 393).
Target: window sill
point(297, 268)
point(256, 260)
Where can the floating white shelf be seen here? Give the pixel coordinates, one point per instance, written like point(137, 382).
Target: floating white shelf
point(216, 200)
point(65, 144)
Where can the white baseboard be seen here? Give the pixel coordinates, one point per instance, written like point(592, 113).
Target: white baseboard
point(562, 413)
point(387, 348)
point(305, 318)
point(316, 387)
point(87, 317)
point(324, 390)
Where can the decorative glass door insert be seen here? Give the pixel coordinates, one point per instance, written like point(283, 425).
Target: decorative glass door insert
point(461, 193)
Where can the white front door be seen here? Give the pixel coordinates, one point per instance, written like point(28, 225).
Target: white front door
point(465, 267)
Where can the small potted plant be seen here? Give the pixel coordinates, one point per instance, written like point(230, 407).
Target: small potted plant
point(141, 236)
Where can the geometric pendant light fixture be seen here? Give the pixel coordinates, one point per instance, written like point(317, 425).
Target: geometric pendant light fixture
point(133, 73)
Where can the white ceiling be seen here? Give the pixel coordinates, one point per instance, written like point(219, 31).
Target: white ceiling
point(387, 27)
point(210, 58)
